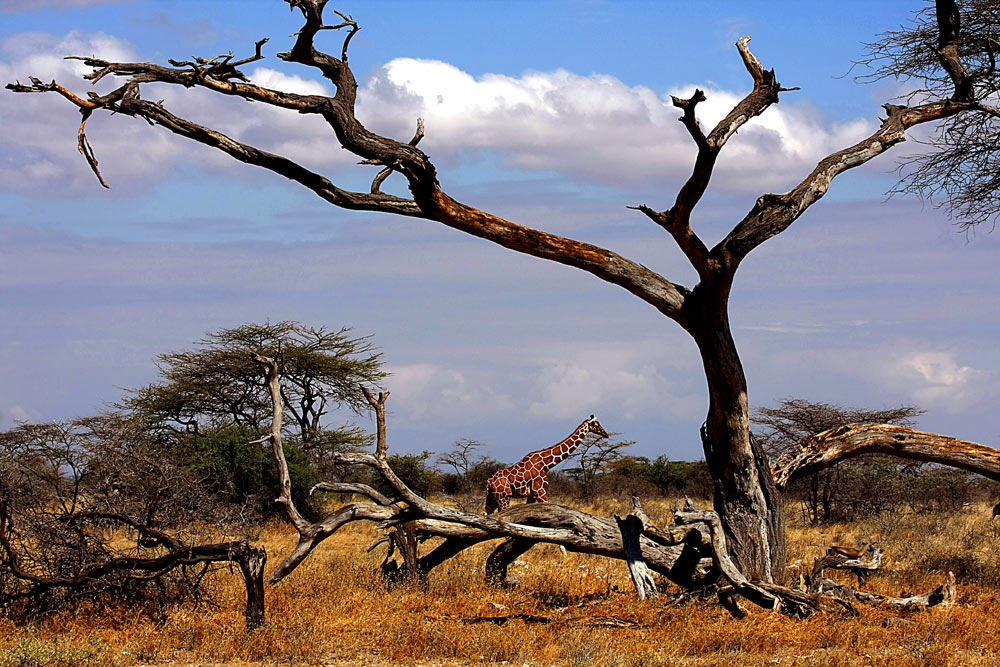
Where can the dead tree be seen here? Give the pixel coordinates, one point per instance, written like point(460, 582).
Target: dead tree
point(92, 507)
point(745, 497)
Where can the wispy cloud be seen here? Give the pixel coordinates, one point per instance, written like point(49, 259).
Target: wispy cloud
point(428, 390)
point(936, 379)
point(629, 378)
point(933, 376)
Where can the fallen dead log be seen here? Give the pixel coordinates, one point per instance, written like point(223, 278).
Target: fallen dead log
point(839, 558)
point(828, 596)
point(675, 554)
point(945, 595)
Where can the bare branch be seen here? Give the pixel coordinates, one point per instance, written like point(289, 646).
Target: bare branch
point(773, 213)
point(677, 220)
point(948, 20)
point(83, 145)
point(827, 448)
point(285, 495)
point(378, 405)
point(385, 173)
point(689, 120)
point(649, 286)
point(352, 488)
point(764, 94)
point(944, 595)
point(632, 527)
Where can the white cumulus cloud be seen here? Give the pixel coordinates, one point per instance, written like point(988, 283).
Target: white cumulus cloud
point(592, 127)
point(935, 378)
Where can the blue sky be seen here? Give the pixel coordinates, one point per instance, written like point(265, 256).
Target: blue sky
point(552, 114)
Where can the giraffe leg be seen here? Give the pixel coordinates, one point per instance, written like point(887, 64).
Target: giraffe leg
point(491, 497)
point(542, 491)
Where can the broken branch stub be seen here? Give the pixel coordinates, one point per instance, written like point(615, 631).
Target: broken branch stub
point(632, 527)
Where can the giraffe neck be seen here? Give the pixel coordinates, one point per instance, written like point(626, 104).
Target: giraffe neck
point(558, 453)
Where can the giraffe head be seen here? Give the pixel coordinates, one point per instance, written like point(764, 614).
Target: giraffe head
point(594, 426)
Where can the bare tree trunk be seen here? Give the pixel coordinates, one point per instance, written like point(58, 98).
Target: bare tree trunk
point(252, 560)
point(746, 500)
point(632, 527)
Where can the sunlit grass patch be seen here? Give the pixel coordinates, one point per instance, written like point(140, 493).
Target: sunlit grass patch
point(570, 609)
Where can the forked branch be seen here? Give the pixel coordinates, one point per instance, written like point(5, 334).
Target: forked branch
point(677, 219)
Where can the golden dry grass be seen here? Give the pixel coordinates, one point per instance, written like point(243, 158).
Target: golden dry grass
point(573, 610)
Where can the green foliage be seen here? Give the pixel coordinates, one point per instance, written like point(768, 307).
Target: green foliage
point(212, 402)
point(242, 471)
point(596, 456)
point(481, 471)
point(690, 478)
point(470, 470)
point(413, 470)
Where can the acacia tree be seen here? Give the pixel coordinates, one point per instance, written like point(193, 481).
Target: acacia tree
point(218, 383)
point(957, 68)
point(594, 457)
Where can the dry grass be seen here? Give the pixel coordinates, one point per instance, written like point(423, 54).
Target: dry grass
point(577, 610)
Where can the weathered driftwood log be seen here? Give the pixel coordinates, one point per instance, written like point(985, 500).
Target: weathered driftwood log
point(942, 595)
point(827, 597)
point(824, 449)
point(842, 558)
point(684, 561)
